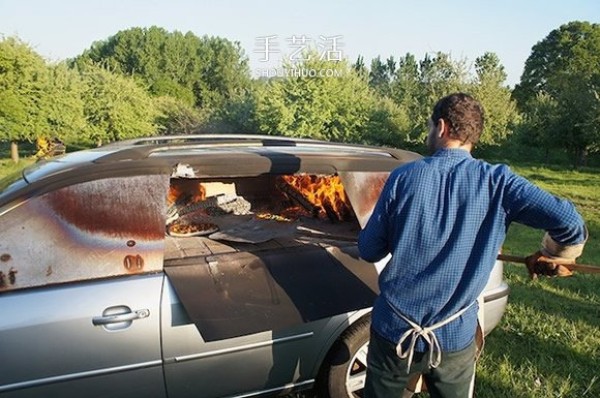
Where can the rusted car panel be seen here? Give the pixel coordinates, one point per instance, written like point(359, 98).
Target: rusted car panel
point(96, 229)
point(363, 189)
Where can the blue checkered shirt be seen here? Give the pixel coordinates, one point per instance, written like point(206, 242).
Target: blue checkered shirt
point(444, 218)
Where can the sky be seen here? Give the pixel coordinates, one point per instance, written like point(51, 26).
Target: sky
point(464, 28)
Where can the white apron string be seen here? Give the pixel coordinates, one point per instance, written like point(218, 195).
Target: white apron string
point(416, 331)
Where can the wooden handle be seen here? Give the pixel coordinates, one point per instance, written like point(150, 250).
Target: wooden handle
point(586, 269)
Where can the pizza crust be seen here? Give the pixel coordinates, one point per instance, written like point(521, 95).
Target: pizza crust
point(180, 230)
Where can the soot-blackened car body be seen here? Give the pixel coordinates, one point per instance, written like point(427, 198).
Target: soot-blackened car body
point(213, 266)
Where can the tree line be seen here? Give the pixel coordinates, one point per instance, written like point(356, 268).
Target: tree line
point(149, 81)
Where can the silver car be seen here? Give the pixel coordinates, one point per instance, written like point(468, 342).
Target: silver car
point(197, 266)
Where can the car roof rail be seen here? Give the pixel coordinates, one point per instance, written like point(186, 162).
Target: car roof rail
point(141, 148)
point(213, 139)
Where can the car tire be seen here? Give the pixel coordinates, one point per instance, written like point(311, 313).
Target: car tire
point(344, 370)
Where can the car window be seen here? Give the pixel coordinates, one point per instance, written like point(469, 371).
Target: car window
point(96, 229)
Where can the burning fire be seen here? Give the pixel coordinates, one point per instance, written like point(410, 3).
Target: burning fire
point(188, 190)
point(325, 193)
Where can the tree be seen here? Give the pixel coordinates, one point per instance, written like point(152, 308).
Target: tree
point(388, 124)
point(489, 89)
point(22, 88)
point(577, 121)
point(62, 105)
point(406, 92)
point(176, 117)
point(331, 102)
point(573, 48)
point(115, 107)
point(535, 130)
point(237, 115)
point(205, 71)
point(437, 76)
point(360, 68)
point(440, 75)
point(224, 72)
point(381, 74)
point(143, 53)
point(565, 65)
point(415, 86)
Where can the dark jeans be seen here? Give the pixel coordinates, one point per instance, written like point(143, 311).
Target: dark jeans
point(387, 378)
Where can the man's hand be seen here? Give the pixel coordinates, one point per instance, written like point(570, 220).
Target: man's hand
point(538, 264)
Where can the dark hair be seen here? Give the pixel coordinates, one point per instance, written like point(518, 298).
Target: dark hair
point(463, 113)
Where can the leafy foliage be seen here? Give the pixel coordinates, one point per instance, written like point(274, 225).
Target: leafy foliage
point(63, 105)
point(116, 108)
point(203, 71)
point(177, 117)
point(381, 75)
point(417, 85)
point(23, 81)
point(565, 67)
point(500, 111)
point(332, 107)
point(394, 111)
point(143, 81)
point(388, 123)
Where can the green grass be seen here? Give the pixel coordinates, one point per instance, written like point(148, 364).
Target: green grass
point(8, 167)
point(548, 343)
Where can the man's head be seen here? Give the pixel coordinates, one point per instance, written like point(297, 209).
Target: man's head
point(456, 121)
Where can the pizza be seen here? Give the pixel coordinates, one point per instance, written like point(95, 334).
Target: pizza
point(275, 217)
point(191, 229)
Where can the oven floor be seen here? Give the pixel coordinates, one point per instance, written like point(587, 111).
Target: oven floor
point(176, 248)
point(307, 231)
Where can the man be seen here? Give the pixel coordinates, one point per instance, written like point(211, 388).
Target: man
point(443, 219)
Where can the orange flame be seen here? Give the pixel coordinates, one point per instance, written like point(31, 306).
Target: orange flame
point(324, 192)
point(193, 189)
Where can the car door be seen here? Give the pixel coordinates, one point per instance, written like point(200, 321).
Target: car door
point(232, 350)
point(247, 365)
point(246, 323)
point(80, 291)
point(93, 339)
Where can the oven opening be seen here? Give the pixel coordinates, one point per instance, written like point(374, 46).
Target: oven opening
point(218, 215)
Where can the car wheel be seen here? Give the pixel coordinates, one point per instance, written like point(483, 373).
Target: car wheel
point(345, 369)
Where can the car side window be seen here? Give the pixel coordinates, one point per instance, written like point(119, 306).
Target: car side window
point(96, 229)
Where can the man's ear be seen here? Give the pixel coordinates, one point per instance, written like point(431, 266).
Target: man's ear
point(442, 128)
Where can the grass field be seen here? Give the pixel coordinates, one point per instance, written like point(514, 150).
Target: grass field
point(548, 344)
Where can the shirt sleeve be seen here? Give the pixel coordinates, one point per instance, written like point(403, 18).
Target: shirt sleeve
point(527, 204)
point(373, 239)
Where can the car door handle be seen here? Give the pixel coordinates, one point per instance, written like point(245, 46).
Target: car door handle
point(125, 315)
